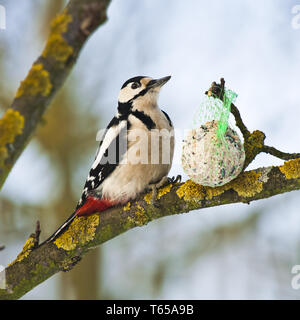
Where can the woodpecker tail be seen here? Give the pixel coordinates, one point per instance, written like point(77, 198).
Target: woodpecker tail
point(61, 229)
point(90, 206)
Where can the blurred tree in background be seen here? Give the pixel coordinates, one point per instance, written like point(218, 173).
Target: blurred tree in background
point(66, 126)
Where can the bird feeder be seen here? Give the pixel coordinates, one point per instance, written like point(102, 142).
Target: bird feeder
point(213, 153)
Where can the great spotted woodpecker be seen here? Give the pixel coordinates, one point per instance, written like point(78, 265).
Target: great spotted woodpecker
point(135, 152)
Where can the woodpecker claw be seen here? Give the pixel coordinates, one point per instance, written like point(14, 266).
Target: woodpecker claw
point(154, 195)
point(163, 182)
point(175, 179)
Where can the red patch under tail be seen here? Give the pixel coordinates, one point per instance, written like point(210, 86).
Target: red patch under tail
point(93, 205)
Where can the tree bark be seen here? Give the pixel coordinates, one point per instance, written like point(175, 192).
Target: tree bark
point(36, 263)
point(69, 32)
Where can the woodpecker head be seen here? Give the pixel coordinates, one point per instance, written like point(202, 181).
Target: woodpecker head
point(140, 93)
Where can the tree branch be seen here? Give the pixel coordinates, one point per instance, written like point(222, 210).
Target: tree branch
point(253, 141)
point(69, 32)
point(36, 264)
point(279, 154)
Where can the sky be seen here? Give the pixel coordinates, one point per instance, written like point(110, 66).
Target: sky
point(254, 45)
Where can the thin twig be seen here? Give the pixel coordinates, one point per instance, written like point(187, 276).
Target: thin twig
point(239, 122)
point(37, 233)
point(217, 90)
point(279, 154)
point(253, 142)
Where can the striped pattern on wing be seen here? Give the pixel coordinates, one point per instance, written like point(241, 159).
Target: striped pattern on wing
point(111, 151)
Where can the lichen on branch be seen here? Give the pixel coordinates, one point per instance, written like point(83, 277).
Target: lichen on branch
point(83, 230)
point(56, 46)
point(36, 82)
point(11, 125)
point(36, 264)
point(291, 169)
point(68, 33)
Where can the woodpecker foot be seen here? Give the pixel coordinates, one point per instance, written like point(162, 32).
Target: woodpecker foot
point(154, 187)
point(163, 182)
point(175, 179)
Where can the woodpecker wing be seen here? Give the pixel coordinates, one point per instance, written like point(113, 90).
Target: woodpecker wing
point(110, 152)
point(168, 118)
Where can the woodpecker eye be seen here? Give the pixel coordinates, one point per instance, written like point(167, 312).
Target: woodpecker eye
point(135, 85)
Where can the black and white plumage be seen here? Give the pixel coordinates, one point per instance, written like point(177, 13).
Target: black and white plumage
point(136, 150)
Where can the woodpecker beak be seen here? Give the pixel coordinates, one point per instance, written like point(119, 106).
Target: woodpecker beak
point(158, 82)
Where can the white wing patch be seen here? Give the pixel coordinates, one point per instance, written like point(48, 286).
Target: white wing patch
point(110, 135)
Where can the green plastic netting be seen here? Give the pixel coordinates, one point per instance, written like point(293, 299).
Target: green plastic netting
point(213, 153)
point(213, 109)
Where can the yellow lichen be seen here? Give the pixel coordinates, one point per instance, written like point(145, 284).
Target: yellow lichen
point(191, 191)
point(291, 169)
point(28, 246)
point(36, 82)
point(247, 184)
point(127, 206)
point(130, 223)
point(81, 231)
point(213, 192)
point(148, 197)
point(60, 23)
point(255, 141)
point(56, 46)
point(257, 138)
point(141, 217)
point(11, 125)
point(160, 192)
